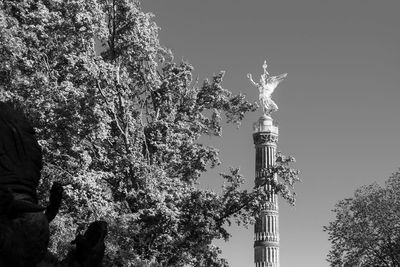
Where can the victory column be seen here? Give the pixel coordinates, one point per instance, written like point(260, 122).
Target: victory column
point(265, 136)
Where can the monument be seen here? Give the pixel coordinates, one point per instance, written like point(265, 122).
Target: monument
point(265, 136)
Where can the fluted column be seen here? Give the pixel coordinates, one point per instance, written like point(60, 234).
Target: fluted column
point(266, 230)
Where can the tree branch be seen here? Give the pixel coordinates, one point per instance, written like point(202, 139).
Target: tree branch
point(111, 107)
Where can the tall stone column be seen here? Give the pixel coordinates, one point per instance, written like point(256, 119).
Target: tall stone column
point(266, 230)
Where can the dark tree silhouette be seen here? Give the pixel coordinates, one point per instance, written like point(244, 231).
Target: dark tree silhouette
point(24, 228)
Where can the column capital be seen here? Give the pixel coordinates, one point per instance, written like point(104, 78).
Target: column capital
point(265, 138)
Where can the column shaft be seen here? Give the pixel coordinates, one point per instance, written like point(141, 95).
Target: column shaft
point(266, 245)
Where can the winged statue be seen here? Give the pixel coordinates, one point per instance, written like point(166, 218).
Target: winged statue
point(266, 87)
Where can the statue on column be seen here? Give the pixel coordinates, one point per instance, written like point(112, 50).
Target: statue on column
point(266, 87)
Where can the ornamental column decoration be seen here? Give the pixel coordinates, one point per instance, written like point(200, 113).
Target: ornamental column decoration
point(265, 136)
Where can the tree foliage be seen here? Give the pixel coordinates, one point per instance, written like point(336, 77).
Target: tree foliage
point(366, 230)
point(119, 127)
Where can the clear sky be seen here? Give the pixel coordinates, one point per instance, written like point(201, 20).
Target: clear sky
point(338, 107)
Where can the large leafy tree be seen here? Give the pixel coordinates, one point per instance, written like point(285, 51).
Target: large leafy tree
point(366, 230)
point(119, 121)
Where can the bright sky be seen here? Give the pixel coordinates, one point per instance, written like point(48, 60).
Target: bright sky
point(338, 107)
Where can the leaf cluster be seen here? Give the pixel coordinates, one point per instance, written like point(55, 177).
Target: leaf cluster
point(366, 230)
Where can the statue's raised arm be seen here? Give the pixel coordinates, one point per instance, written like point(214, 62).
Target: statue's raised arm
point(266, 87)
point(252, 81)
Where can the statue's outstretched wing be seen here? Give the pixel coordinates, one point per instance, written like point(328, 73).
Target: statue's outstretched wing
point(279, 78)
point(274, 81)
